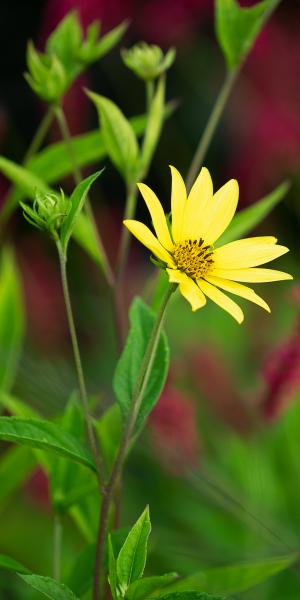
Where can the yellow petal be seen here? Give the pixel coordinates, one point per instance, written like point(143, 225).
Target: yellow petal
point(178, 200)
point(188, 288)
point(239, 290)
point(250, 252)
point(223, 207)
point(197, 205)
point(222, 300)
point(157, 215)
point(144, 235)
point(253, 275)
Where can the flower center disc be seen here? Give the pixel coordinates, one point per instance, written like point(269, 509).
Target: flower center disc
point(193, 257)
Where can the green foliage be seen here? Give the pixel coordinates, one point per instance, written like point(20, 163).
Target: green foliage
point(235, 578)
point(119, 137)
point(131, 560)
point(46, 75)
point(16, 464)
point(109, 429)
point(148, 61)
point(238, 27)
point(146, 587)
point(112, 570)
point(248, 218)
point(11, 319)
point(37, 433)
point(77, 200)
point(6, 562)
point(154, 125)
point(128, 368)
point(92, 49)
point(189, 595)
point(49, 587)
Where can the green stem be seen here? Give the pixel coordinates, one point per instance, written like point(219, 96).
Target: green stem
point(64, 128)
point(138, 395)
point(129, 213)
point(211, 126)
point(78, 362)
point(149, 93)
point(57, 542)
point(40, 134)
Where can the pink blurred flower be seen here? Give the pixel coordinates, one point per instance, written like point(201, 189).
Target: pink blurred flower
point(174, 431)
point(37, 487)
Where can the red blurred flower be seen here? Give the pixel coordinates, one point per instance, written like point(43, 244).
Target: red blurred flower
point(174, 431)
point(37, 487)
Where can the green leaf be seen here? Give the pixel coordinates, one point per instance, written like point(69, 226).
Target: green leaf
point(238, 27)
point(65, 43)
point(109, 430)
point(69, 481)
point(144, 588)
point(133, 554)
point(37, 433)
point(111, 39)
point(6, 562)
point(15, 467)
point(118, 135)
point(49, 587)
point(248, 218)
point(25, 179)
point(77, 200)
point(154, 125)
point(112, 569)
point(189, 595)
point(85, 236)
point(234, 579)
point(142, 320)
point(11, 319)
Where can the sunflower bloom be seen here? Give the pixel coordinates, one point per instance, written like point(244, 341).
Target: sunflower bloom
point(188, 249)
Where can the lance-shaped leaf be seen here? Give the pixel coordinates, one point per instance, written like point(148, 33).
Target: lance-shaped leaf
point(154, 125)
point(126, 375)
point(112, 570)
point(37, 433)
point(189, 595)
point(11, 319)
point(133, 554)
point(238, 27)
point(248, 218)
point(49, 587)
point(145, 587)
point(233, 579)
point(6, 562)
point(119, 137)
point(77, 201)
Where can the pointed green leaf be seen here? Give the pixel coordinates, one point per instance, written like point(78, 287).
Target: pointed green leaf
point(111, 39)
point(189, 595)
point(233, 579)
point(248, 218)
point(238, 27)
point(11, 319)
point(77, 200)
point(37, 433)
point(6, 562)
point(118, 135)
point(133, 554)
point(128, 368)
point(144, 588)
point(65, 42)
point(15, 467)
point(49, 587)
point(25, 179)
point(154, 125)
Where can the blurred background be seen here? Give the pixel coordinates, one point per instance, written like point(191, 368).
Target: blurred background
point(223, 441)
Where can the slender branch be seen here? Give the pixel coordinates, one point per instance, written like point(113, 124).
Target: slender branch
point(78, 362)
point(40, 134)
point(64, 128)
point(211, 126)
point(138, 395)
point(57, 542)
point(149, 93)
point(129, 213)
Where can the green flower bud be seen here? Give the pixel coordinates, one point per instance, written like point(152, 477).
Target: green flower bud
point(46, 75)
point(148, 61)
point(48, 211)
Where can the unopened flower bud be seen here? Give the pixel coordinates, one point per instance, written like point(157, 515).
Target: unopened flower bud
point(46, 75)
point(148, 61)
point(48, 211)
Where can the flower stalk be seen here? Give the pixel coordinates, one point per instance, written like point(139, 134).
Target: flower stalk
point(141, 384)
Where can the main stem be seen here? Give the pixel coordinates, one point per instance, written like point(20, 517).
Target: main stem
point(138, 395)
point(57, 540)
point(64, 128)
point(78, 362)
point(211, 126)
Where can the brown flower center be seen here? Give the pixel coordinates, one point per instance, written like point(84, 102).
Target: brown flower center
point(193, 257)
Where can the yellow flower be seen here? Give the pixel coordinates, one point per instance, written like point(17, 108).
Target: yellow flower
point(188, 251)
